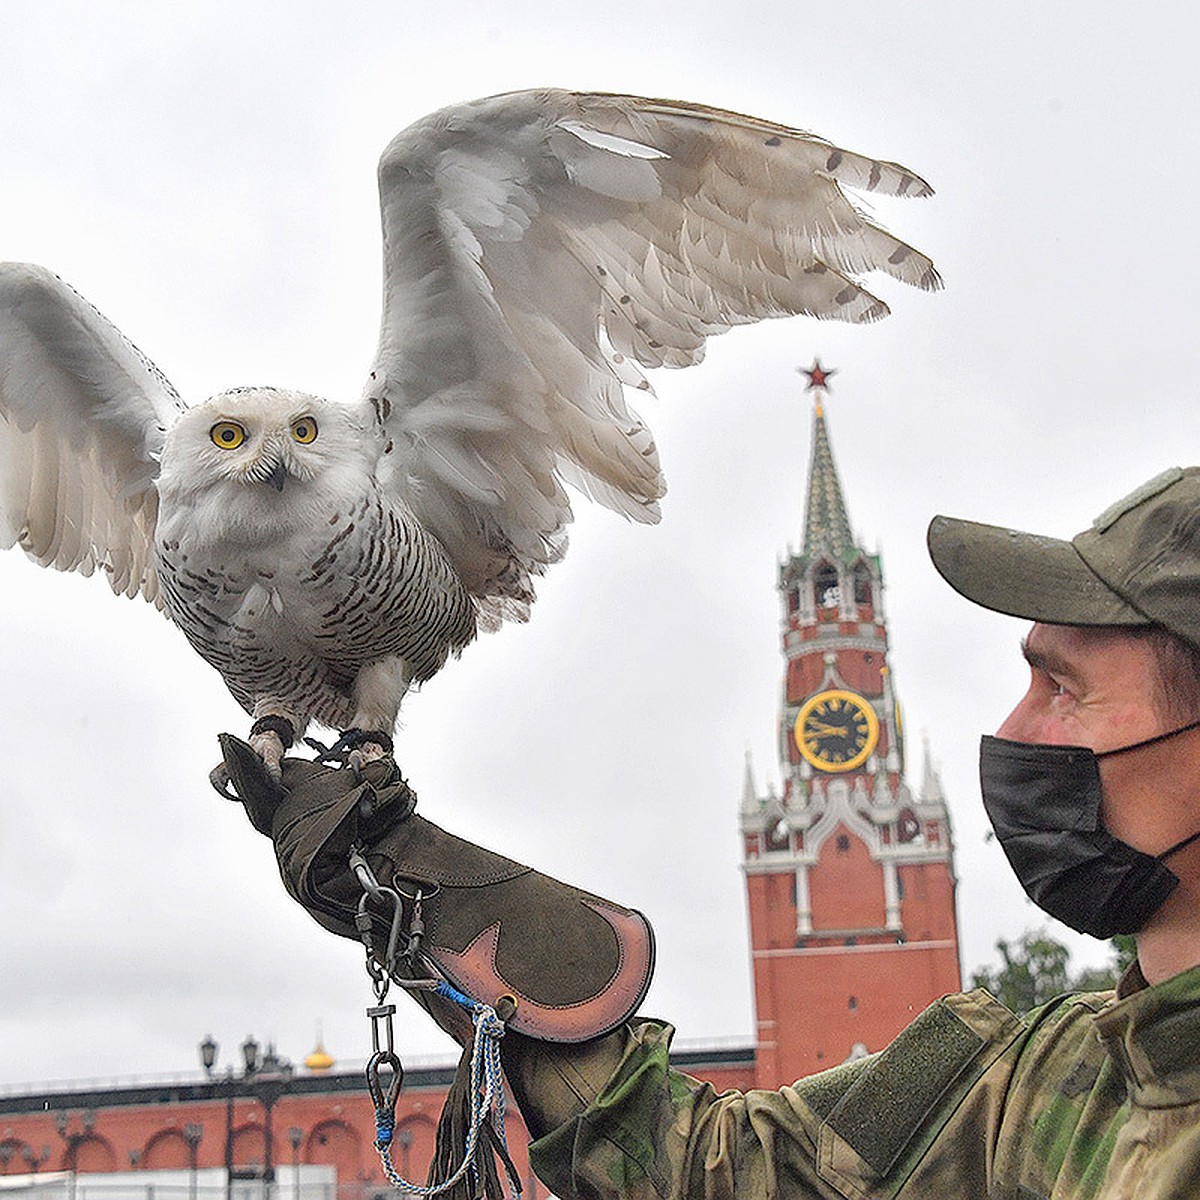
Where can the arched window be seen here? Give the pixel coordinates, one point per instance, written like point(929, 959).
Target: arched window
point(777, 835)
point(249, 1145)
point(336, 1143)
point(863, 593)
point(826, 593)
point(908, 828)
point(10, 1152)
point(166, 1150)
point(92, 1153)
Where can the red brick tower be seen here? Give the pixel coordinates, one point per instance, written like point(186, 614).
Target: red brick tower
point(849, 874)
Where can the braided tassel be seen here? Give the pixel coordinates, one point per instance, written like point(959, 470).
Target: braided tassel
point(472, 1118)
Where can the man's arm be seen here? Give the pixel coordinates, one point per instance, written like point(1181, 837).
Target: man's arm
point(920, 1118)
point(609, 1115)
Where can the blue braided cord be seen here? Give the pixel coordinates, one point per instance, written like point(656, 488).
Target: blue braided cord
point(487, 1099)
point(385, 1126)
point(452, 993)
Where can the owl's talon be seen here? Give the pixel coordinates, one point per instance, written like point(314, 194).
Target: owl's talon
point(367, 751)
point(374, 743)
point(220, 778)
point(269, 747)
point(371, 750)
point(242, 775)
point(281, 727)
point(354, 749)
point(272, 736)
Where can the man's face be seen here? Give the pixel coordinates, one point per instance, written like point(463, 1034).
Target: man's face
point(1098, 688)
point(1087, 687)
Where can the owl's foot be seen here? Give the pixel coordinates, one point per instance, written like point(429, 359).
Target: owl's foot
point(354, 748)
point(242, 775)
point(271, 737)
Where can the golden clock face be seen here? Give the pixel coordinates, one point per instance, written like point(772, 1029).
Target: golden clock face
point(836, 730)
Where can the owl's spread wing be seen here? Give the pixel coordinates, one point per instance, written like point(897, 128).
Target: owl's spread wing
point(83, 414)
point(539, 248)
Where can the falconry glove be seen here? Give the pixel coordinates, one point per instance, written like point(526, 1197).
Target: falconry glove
point(575, 964)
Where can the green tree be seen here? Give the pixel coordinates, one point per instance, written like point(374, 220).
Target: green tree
point(1032, 971)
point(1100, 979)
point(1036, 968)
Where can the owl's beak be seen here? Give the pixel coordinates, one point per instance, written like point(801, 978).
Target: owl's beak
point(278, 476)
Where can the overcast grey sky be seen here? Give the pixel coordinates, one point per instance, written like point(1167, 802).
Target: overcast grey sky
point(205, 175)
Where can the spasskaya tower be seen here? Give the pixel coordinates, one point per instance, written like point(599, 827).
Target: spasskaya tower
point(849, 871)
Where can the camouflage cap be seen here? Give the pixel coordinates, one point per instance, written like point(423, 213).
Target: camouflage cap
point(1139, 563)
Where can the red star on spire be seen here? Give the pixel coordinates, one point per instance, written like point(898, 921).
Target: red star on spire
point(818, 377)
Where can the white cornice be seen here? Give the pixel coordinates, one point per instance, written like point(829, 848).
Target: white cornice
point(842, 641)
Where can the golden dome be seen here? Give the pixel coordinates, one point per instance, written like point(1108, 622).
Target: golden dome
point(320, 1059)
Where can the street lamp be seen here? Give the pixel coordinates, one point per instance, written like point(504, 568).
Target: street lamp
point(250, 1054)
point(208, 1054)
point(268, 1082)
point(266, 1079)
point(192, 1133)
point(208, 1060)
point(74, 1140)
point(295, 1137)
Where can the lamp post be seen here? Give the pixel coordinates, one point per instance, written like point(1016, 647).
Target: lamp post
point(295, 1137)
point(192, 1133)
point(265, 1079)
point(268, 1082)
point(74, 1140)
point(208, 1060)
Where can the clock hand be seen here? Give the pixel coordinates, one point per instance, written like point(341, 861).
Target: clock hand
point(819, 729)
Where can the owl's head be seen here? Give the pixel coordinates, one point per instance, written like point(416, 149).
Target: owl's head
point(268, 441)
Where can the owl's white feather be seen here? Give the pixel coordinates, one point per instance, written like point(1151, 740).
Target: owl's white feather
point(287, 566)
point(540, 249)
point(83, 417)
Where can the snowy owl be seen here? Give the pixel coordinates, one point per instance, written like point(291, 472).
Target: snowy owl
point(539, 249)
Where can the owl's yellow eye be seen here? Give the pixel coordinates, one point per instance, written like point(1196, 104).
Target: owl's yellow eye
point(304, 430)
point(229, 435)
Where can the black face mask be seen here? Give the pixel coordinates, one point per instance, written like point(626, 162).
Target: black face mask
point(1044, 804)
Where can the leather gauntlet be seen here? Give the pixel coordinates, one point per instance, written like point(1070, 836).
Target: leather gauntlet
point(575, 964)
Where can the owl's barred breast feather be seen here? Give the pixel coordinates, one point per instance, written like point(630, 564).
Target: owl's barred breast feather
point(405, 597)
point(290, 591)
point(541, 249)
point(374, 584)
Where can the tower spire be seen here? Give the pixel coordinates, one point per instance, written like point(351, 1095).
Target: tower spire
point(846, 859)
point(826, 523)
point(750, 802)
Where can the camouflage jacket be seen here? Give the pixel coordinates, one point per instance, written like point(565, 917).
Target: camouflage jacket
point(1089, 1097)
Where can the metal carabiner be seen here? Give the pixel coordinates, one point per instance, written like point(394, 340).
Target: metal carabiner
point(374, 890)
point(362, 869)
point(384, 1097)
point(384, 1055)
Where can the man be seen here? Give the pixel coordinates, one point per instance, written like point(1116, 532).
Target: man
point(1093, 786)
